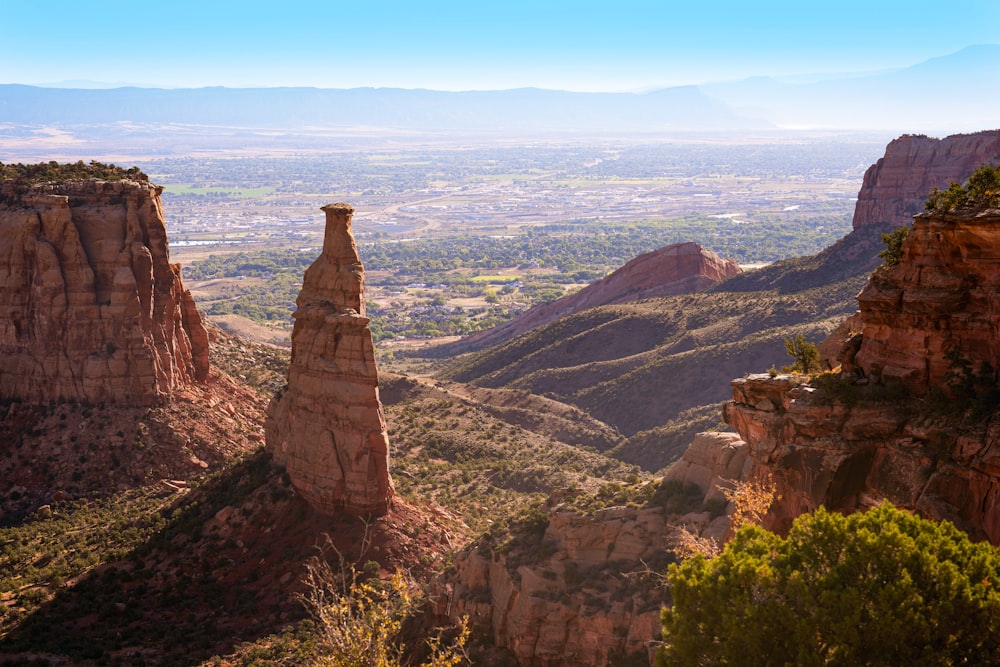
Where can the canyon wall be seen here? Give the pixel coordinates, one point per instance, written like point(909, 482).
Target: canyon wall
point(571, 599)
point(849, 456)
point(944, 293)
point(327, 427)
point(92, 310)
point(849, 441)
point(895, 187)
point(585, 590)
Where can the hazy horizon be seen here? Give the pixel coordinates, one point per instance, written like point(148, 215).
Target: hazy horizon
point(451, 46)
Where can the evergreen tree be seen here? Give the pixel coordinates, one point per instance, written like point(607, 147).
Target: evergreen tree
point(883, 587)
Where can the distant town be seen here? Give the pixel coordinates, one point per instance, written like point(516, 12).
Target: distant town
point(490, 231)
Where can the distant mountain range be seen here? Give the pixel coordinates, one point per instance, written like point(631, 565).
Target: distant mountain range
point(948, 94)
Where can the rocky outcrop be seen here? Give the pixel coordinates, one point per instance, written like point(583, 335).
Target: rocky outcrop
point(856, 439)
point(327, 427)
point(896, 186)
point(568, 600)
point(848, 455)
point(713, 462)
point(681, 268)
point(91, 309)
point(581, 592)
point(848, 441)
point(944, 293)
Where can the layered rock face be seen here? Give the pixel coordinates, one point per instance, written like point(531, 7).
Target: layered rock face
point(569, 606)
point(574, 598)
point(822, 448)
point(681, 268)
point(327, 427)
point(92, 310)
point(943, 294)
point(896, 186)
point(850, 457)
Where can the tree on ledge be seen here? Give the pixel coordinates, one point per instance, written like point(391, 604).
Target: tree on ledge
point(981, 191)
point(805, 355)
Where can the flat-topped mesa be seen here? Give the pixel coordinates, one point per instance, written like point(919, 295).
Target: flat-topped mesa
point(895, 187)
point(92, 310)
point(327, 427)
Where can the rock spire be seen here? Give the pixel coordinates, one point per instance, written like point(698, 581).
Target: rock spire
point(91, 308)
point(327, 427)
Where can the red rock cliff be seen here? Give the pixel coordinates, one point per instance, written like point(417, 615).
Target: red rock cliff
point(850, 456)
point(944, 293)
point(91, 309)
point(851, 447)
point(327, 427)
point(896, 186)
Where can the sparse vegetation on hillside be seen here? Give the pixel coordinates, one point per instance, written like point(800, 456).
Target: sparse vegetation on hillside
point(482, 468)
point(55, 172)
point(262, 367)
point(638, 366)
point(359, 620)
point(882, 587)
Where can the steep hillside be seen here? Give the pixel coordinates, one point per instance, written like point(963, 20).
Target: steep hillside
point(639, 366)
point(681, 268)
point(63, 451)
point(176, 576)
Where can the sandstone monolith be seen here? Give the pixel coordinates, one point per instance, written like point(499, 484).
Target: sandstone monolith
point(91, 308)
point(327, 427)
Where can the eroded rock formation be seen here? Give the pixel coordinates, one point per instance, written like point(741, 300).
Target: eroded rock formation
point(579, 596)
point(943, 294)
point(848, 457)
point(566, 602)
point(327, 427)
point(854, 442)
point(91, 309)
point(896, 186)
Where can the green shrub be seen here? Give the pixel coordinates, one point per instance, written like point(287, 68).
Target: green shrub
point(894, 246)
point(882, 587)
point(981, 190)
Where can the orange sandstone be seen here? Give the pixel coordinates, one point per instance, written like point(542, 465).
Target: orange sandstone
point(327, 427)
point(91, 309)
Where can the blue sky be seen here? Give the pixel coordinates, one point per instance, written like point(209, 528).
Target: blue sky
point(474, 44)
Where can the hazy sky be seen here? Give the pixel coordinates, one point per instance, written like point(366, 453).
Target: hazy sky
point(473, 44)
